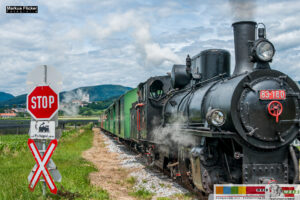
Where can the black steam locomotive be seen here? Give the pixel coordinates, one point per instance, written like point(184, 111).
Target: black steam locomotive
point(205, 126)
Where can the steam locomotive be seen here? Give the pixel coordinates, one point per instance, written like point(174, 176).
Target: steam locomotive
point(205, 126)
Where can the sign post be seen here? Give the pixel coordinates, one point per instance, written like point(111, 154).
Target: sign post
point(43, 104)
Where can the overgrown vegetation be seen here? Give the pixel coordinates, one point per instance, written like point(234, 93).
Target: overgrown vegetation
point(11, 143)
point(16, 165)
point(179, 196)
point(131, 180)
point(163, 198)
point(142, 194)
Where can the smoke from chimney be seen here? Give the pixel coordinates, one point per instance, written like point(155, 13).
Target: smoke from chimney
point(242, 9)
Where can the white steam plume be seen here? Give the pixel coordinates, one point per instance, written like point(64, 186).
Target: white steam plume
point(242, 9)
point(68, 107)
point(173, 134)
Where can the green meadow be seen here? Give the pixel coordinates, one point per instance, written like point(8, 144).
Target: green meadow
point(16, 162)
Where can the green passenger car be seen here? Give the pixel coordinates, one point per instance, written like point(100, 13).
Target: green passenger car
point(111, 119)
point(118, 115)
point(129, 98)
point(122, 117)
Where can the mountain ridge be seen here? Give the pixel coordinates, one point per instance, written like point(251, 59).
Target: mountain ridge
point(96, 93)
point(5, 96)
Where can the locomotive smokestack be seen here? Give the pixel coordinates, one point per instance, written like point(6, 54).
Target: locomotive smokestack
point(244, 31)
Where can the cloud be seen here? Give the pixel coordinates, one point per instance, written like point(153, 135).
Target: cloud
point(125, 42)
point(150, 53)
point(287, 40)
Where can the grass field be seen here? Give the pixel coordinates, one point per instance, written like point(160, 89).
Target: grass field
point(10, 143)
point(16, 161)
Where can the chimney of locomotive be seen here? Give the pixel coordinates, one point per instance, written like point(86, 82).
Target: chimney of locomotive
point(188, 63)
point(244, 32)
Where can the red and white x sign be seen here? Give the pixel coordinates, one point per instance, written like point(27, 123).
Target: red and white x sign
point(42, 162)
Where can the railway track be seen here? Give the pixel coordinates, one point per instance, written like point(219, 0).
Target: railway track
point(196, 193)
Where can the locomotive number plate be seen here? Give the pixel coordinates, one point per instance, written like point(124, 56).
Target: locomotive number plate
point(272, 94)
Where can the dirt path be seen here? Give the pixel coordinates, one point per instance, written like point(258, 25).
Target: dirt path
point(110, 176)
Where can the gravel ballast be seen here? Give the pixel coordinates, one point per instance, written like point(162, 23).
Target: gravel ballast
point(150, 179)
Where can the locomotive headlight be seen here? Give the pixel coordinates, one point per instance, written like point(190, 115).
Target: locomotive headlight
point(216, 117)
point(264, 50)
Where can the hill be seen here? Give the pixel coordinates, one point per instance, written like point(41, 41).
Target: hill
point(18, 100)
point(5, 96)
point(96, 108)
point(96, 93)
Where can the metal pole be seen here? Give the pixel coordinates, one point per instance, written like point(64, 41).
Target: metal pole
point(45, 74)
point(44, 141)
point(44, 184)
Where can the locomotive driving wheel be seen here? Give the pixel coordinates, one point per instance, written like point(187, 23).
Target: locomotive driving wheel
point(185, 169)
point(150, 156)
point(174, 171)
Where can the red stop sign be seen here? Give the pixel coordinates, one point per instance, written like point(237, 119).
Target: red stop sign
point(42, 103)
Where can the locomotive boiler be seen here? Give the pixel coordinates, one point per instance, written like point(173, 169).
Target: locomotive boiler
point(239, 126)
point(246, 120)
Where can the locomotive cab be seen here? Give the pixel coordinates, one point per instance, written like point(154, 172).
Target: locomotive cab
point(146, 112)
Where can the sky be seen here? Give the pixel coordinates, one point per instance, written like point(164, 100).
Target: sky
point(93, 42)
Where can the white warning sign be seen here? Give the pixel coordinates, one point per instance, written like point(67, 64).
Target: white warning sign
point(42, 130)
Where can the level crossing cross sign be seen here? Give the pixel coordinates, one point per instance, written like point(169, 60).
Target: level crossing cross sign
point(42, 103)
point(42, 162)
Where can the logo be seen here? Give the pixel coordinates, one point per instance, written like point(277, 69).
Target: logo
point(273, 190)
point(21, 9)
point(270, 191)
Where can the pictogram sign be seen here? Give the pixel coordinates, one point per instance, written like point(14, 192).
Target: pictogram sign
point(42, 162)
point(42, 103)
point(42, 130)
